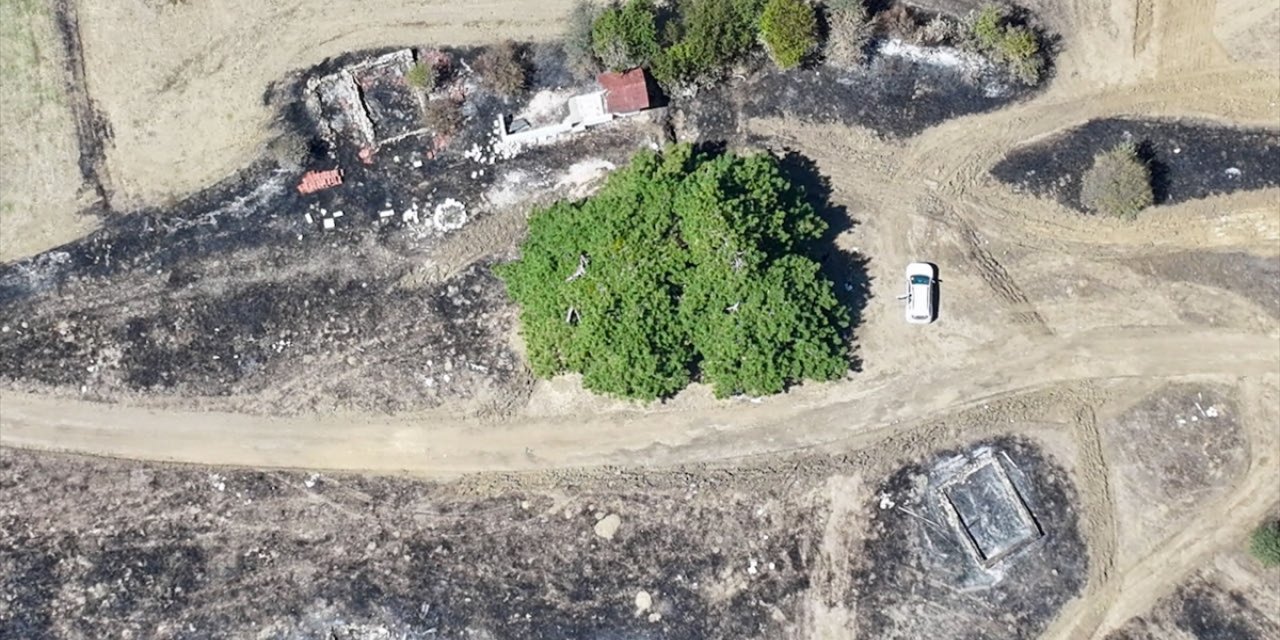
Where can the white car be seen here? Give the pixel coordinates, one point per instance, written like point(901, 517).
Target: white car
point(922, 301)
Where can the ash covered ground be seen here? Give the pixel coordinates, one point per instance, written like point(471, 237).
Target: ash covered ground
point(94, 548)
point(1188, 160)
point(919, 578)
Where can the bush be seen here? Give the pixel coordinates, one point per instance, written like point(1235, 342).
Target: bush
point(421, 76)
point(788, 28)
point(443, 116)
point(579, 48)
point(1264, 544)
point(1015, 46)
point(502, 68)
point(848, 32)
point(717, 34)
point(681, 263)
point(1118, 183)
point(626, 36)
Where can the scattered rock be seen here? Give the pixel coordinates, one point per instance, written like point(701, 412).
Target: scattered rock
point(607, 526)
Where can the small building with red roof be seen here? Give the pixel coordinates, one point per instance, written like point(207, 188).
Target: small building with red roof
point(626, 92)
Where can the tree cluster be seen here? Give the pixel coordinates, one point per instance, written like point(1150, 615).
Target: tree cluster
point(688, 41)
point(684, 266)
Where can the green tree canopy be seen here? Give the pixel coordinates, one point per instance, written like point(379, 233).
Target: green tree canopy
point(789, 29)
point(683, 265)
point(626, 36)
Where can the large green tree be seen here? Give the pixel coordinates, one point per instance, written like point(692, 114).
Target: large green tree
point(683, 264)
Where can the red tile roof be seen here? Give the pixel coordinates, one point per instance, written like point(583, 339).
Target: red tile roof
point(625, 92)
point(313, 181)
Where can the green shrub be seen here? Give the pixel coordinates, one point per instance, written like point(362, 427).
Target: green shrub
point(1118, 183)
point(421, 76)
point(680, 263)
point(717, 33)
point(579, 45)
point(626, 36)
point(848, 32)
point(1264, 544)
point(502, 68)
point(1015, 46)
point(788, 28)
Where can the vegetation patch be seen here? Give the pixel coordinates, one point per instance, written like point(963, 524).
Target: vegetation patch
point(789, 29)
point(1118, 184)
point(685, 265)
point(1264, 544)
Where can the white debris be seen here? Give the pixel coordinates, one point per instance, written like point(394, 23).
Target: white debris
point(607, 527)
point(310, 220)
point(311, 480)
point(1211, 412)
point(751, 567)
point(328, 223)
point(886, 501)
point(643, 601)
point(1233, 172)
point(218, 482)
point(386, 213)
point(449, 215)
point(337, 214)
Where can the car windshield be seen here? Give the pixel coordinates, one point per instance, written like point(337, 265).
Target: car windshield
point(919, 279)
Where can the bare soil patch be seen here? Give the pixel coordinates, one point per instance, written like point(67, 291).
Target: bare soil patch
point(1177, 447)
point(1255, 278)
point(1188, 160)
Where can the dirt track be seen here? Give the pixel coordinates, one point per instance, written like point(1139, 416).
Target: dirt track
point(1038, 301)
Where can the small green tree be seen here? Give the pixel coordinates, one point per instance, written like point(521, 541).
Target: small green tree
point(579, 48)
point(789, 30)
point(1015, 46)
point(1118, 183)
point(848, 32)
point(716, 34)
point(1264, 544)
point(626, 36)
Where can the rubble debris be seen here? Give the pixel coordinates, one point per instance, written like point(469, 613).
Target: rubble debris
point(313, 181)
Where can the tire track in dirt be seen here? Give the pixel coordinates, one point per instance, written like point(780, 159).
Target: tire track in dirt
point(992, 273)
point(93, 130)
point(1092, 477)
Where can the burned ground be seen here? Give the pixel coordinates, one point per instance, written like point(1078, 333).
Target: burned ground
point(1202, 610)
point(96, 548)
point(919, 579)
point(241, 290)
point(1188, 159)
point(892, 95)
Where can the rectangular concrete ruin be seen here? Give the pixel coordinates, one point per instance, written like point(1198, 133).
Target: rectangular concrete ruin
point(987, 511)
point(370, 103)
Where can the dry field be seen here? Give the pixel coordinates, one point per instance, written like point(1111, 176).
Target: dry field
point(1131, 370)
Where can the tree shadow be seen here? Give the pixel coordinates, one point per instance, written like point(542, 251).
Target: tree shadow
point(1159, 171)
point(847, 270)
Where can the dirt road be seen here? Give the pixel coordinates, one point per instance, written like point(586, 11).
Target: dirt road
point(1037, 299)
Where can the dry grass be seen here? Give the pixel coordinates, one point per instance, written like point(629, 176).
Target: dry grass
point(39, 177)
